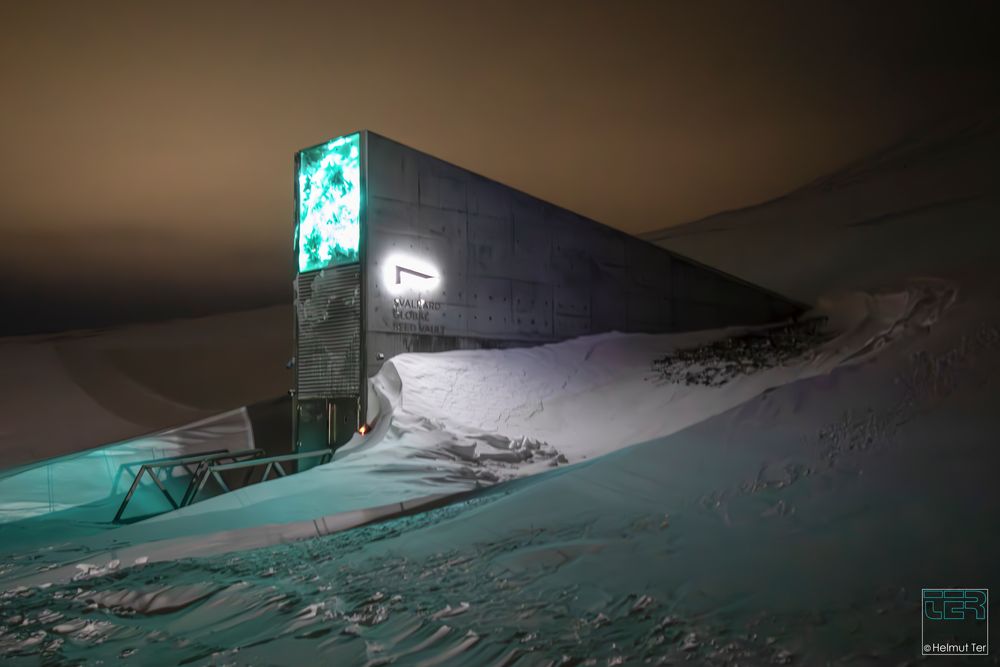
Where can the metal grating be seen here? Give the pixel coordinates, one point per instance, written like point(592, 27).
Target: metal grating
point(328, 332)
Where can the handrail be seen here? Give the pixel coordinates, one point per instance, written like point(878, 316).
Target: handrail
point(271, 463)
point(211, 465)
point(203, 465)
point(177, 457)
point(183, 462)
point(274, 459)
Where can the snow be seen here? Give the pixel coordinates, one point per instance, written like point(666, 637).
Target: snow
point(925, 206)
point(461, 421)
point(786, 515)
point(89, 485)
point(70, 392)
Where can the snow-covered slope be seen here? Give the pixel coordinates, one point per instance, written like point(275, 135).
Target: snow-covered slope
point(789, 496)
point(925, 206)
point(794, 528)
point(66, 393)
point(460, 421)
point(81, 492)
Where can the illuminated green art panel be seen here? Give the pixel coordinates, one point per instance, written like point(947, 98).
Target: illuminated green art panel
point(329, 203)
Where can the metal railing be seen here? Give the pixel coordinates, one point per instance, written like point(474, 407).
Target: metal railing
point(214, 470)
point(200, 462)
point(210, 466)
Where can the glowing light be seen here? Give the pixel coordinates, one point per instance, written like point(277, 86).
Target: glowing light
point(408, 273)
point(363, 429)
point(329, 224)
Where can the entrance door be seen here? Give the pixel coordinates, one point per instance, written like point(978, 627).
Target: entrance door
point(322, 423)
point(314, 425)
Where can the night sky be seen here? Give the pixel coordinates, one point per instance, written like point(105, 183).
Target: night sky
point(146, 148)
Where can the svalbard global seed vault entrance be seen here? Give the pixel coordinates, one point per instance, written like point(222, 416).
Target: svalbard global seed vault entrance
point(397, 251)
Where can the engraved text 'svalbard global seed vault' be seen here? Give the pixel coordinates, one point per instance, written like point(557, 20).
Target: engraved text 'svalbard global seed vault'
point(397, 251)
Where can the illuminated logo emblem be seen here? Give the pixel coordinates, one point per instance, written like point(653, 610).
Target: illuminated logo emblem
point(409, 274)
point(400, 270)
point(955, 621)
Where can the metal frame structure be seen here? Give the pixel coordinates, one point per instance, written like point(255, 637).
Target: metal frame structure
point(271, 463)
point(200, 461)
point(211, 465)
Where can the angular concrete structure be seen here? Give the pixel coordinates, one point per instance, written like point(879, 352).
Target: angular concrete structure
point(398, 251)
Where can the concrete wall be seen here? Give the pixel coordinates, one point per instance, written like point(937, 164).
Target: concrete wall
point(510, 269)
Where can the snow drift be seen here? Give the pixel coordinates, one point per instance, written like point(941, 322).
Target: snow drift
point(461, 421)
point(793, 521)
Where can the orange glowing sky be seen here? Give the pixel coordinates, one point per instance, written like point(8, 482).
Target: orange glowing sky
point(146, 164)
